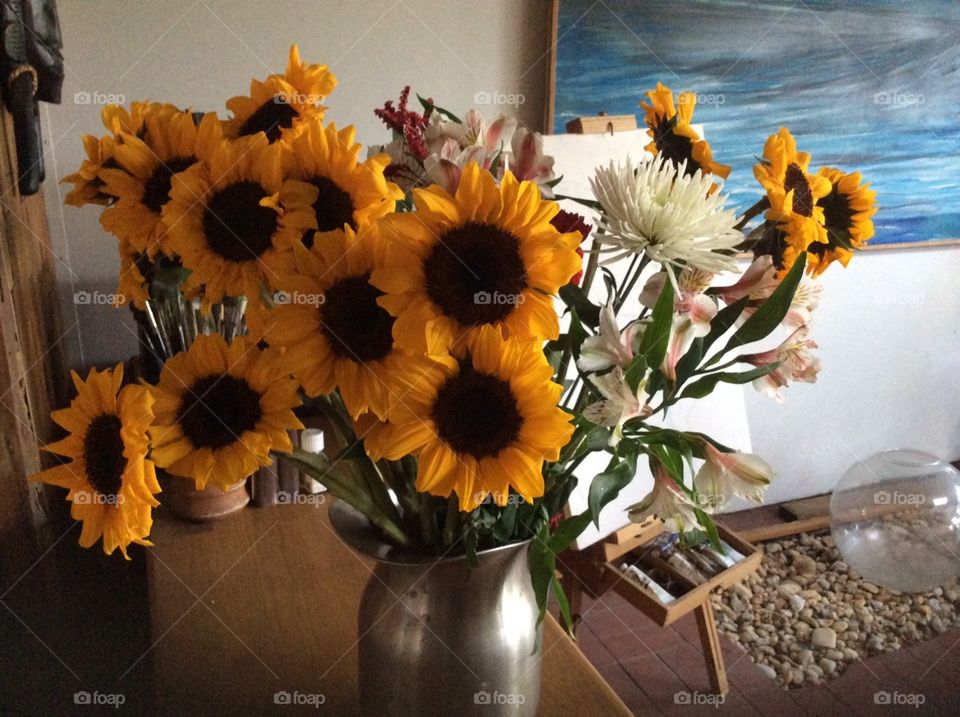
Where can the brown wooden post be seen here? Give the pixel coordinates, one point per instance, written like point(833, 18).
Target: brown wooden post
point(32, 372)
point(711, 647)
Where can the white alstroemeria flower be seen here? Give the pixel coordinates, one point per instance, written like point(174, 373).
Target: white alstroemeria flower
point(619, 403)
point(609, 347)
point(798, 363)
point(657, 209)
point(666, 501)
point(805, 300)
point(725, 475)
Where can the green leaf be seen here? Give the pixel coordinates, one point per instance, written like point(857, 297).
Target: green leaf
point(429, 107)
point(569, 530)
point(607, 485)
point(721, 323)
point(656, 336)
point(591, 203)
point(636, 371)
point(575, 298)
point(576, 333)
point(543, 563)
point(562, 602)
point(503, 530)
point(710, 528)
point(770, 313)
point(689, 362)
point(672, 459)
point(705, 386)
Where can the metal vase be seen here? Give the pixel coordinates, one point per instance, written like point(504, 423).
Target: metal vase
point(440, 638)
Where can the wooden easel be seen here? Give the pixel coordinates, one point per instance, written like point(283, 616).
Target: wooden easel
point(595, 570)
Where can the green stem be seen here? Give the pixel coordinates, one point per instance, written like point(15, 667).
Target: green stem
point(429, 530)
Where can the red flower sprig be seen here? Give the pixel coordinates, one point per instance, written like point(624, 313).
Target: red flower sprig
point(407, 123)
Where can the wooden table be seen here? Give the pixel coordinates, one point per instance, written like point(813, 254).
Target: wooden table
point(265, 601)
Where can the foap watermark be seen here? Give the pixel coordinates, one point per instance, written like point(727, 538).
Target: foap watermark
point(314, 499)
point(301, 699)
point(296, 98)
point(86, 497)
point(908, 699)
point(699, 699)
point(99, 699)
point(886, 497)
point(499, 498)
point(499, 698)
point(508, 99)
point(297, 298)
point(497, 298)
point(898, 99)
point(83, 97)
point(97, 298)
point(703, 98)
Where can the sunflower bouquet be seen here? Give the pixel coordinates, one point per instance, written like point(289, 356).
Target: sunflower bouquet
point(431, 301)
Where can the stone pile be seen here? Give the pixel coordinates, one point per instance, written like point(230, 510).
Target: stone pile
point(805, 615)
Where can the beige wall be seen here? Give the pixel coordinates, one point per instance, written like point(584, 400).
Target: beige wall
point(201, 53)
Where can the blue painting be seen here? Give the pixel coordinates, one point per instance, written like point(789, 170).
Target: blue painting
point(865, 85)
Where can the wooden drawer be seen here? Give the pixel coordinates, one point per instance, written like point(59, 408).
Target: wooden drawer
point(645, 600)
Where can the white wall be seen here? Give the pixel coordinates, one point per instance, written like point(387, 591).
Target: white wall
point(200, 53)
point(889, 333)
point(887, 327)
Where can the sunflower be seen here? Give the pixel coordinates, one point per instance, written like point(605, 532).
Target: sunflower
point(226, 221)
point(350, 193)
point(846, 214)
point(672, 134)
point(144, 171)
point(88, 183)
point(334, 332)
point(483, 423)
point(282, 105)
point(792, 192)
point(221, 409)
point(111, 481)
point(132, 285)
point(488, 255)
point(784, 242)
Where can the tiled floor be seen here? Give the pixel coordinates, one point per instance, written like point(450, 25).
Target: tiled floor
point(654, 669)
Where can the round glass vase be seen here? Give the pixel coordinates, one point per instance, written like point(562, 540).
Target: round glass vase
point(438, 637)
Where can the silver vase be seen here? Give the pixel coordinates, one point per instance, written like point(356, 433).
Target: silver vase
point(440, 638)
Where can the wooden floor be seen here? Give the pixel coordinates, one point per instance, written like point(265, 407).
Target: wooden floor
point(652, 668)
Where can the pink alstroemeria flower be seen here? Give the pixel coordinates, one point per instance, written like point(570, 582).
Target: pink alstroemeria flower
point(797, 363)
point(527, 160)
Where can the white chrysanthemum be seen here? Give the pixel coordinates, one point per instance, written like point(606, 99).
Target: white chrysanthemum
point(675, 219)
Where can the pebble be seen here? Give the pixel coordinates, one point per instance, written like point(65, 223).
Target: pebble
point(797, 603)
point(824, 637)
point(804, 565)
point(789, 588)
point(768, 671)
point(827, 665)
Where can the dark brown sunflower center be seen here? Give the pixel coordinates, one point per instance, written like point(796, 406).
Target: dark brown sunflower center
point(838, 218)
point(103, 454)
point(236, 226)
point(476, 414)
point(674, 147)
point(475, 274)
point(357, 328)
point(334, 208)
point(271, 118)
point(796, 180)
point(773, 241)
point(156, 190)
point(216, 410)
